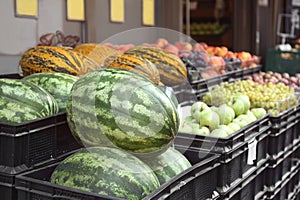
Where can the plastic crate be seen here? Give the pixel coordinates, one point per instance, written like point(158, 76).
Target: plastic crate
point(7, 189)
point(30, 144)
point(251, 188)
point(33, 143)
point(234, 150)
point(287, 187)
point(280, 168)
point(283, 61)
point(194, 183)
point(284, 131)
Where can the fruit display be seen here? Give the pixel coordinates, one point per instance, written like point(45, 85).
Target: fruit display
point(57, 84)
point(107, 171)
point(168, 164)
point(222, 120)
point(275, 77)
point(275, 98)
point(55, 59)
point(122, 108)
point(22, 101)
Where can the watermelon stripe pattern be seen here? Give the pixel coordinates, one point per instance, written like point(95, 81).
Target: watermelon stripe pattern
point(107, 171)
point(59, 85)
point(168, 164)
point(122, 108)
point(22, 101)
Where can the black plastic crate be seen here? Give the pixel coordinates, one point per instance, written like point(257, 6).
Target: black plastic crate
point(32, 143)
point(194, 183)
point(7, 189)
point(234, 158)
point(287, 187)
point(284, 131)
point(35, 142)
point(280, 168)
point(251, 187)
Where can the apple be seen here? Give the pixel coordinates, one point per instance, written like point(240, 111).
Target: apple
point(225, 113)
point(161, 42)
point(234, 126)
point(237, 105)
point(244, 117)
point(258, 112)
point(209, 118)
point(202, 131)
point(199, 105)
point(245, 100)
point(226, 128)
point(241, 122)
point(186, 129)
point(218, 133)
point(251, 116)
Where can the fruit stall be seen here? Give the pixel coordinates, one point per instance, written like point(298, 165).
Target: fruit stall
point(161, 120)
point(194, 103)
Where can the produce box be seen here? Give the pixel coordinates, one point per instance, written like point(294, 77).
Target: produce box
point(251, 187)
point(283, 61)
point(241, 152)
point(194, 183)
point(288, 187)
point(279, 168)
point(284, 131)
point(30, 144)
point(33, 143)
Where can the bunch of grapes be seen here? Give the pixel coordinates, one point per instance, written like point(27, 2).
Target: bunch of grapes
point(275, 98)
point(196, 59)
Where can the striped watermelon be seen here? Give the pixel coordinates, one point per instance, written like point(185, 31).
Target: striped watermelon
point(21, 101)
point(121, 108)
point(168, 164)
point(107, 171)
point(58, 84)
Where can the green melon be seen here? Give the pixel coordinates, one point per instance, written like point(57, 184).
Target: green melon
point(168, 164)
point(21, 101)
point(124, 109)
point(107, 171)
point(58, 84)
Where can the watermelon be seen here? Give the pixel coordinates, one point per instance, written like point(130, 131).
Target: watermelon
point(168, 164)
point(57, 84)
point(121, 108)
point(21, 101)
point(106, 171)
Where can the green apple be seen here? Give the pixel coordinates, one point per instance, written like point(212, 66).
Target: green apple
point(234, 126)
point(237, 105)
point(198, 106)
point(226, 128)
point(209, 118)
point(241, 122)
point(186, 129)
point(245, 100)
point(218, 133)
point(251, 116)
point(202, 131)
point(225, 113)
point(244, 117)
point(258, 112)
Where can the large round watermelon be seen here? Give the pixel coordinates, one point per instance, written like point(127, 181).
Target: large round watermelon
point(124, 109)
point(58, 84)
point(22, 101)
point(168, 164)
point(107, 171)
